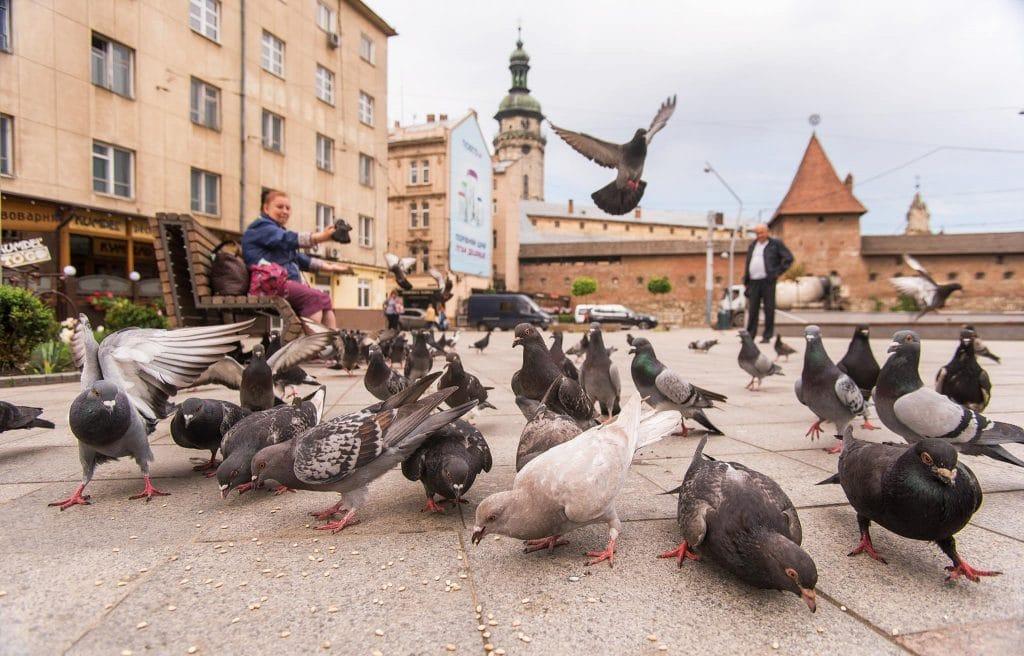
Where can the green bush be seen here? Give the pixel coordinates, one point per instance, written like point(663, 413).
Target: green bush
point(123, 313)
point(584, 286)
point(25, 322)
point(906, 304)
point(566, 317)
point(52, 357)
point(659, 285)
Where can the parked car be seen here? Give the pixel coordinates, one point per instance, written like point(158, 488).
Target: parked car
point(486, 311)
point(412, 319)
point(614, 313)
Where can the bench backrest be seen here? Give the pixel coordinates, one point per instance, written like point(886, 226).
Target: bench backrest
point(185, 249)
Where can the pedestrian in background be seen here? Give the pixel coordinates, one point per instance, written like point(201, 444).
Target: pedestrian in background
point(392, 310)
point(430, 316)
point(767, 259)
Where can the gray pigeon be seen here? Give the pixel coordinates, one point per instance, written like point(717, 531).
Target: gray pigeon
point(348, 358)
point(483, 342)
point(916, 412)
point(556, 348)
point(929, 294)
point(419, 360)
point(746, 523)
point(754, 362)
point(702, 345)
point(202, 424)
point(13, 417)
point(919, 491)
point(599, 375)
point(126, 386)
point(381, 380)
point(260, 429)
point(544, 429)
point(963, 379)
point(782, 349)
point(624, 193)
point(980, 349)
point(399, 266)
point(345, 454)
point(574, 484)
point(666, 390)
point(449, 461)
point(468, 386)
point(398, 349)
point(538, 373)
point(829, 393)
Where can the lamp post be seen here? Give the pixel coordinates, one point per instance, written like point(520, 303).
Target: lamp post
point(732, 241)
point(135, 277)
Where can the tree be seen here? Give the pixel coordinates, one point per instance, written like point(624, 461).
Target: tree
point(659, 285)
point(584, 286)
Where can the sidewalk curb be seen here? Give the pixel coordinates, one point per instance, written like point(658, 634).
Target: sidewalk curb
point(41, 379)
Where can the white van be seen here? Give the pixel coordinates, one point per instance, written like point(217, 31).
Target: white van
point(580, 313)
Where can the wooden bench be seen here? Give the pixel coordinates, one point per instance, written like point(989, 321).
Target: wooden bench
point(184, 255)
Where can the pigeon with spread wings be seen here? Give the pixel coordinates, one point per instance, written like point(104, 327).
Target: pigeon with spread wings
point(624, 193)
point(399, 266)
point(929, 294)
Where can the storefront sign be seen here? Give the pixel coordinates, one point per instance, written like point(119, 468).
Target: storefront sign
point(18, 214)
point(27, 251)
point(117, 248)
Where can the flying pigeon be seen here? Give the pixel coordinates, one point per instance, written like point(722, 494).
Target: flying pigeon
point(929, 294)
point(444, 291)
point(746, 523)
point(126, 385)
point(539, 372)
point(13, 417)
point(544, 428)
point(599, 375)
point(449, 461)
point(980, 348)
point(963, 379)
point(261, 429)
point(381, 380)
point(859, 364)
point(918, 491)
point(702, 345)
point(574, 484)
point(399, 266)
point(202, 424)
point(916, 412)
point(624, 193)
point(483, 342)
point(829, 393)
point(579, 348)
point(419, 361)
point(782, 349)
point(754, 362)
point(346, 453)
point(666, 390)
point(468, 387)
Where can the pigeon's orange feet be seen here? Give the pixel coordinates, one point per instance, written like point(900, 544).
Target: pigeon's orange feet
point(867, 425)
point(281, 489)
point(608, 554)
point(327, 513)
point(865, 546)
point(971, 574)
point(681, 553)
point(683, 430)
point(206, 465)
point(148, 492)
point(344, 522)
point(814, 431)
point(838, 448)
point(75, 499)
point(548, 543)
point(245, 487)
point(432, 506)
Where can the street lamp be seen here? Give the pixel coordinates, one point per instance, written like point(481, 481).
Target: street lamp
point(732, 241)
point(135, 277)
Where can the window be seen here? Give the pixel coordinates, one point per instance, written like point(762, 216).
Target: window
point(425, 259)
point(414, 217)
point(1007, 275)
point(365, 108)
point(526, 187)
point(365, 231)
point(872, 277)
point(273, 131)
point(558, 224)
point(324, 216)
point(112, 170)
point(367, 49)
point(363, 293)
point(425, 214)
point(5, 25)
point(204, 104)
point(639, 280)
point(952, 275)
point(272, 54)
point(204, 17)
point(6, 143)
point(414, 173)
point(691, 279)
point(979, 275)
point(324, 153)
point(426, 171)
point(365, 170)
point(324, 85)
point(205, 192)
point(325, 18)
point(999, 259)
point(112, 65)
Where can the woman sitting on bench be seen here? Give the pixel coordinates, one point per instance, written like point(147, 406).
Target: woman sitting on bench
point(267, 239)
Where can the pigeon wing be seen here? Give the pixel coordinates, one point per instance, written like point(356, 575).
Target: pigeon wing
point(226, 371)
point(674, 387)
point(930, 414)
point(598, 151)
point(85, 351)
point(916, 266)
point(849, 394)
point(918, 288)
point(438, 278)
point(662, 117)
point(407, 263)
point(299, 350)
point(333, 450)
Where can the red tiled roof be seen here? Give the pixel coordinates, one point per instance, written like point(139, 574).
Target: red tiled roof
point(816, 189)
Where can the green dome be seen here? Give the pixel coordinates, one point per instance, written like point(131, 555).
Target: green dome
point(519, 102)
point(519, 55)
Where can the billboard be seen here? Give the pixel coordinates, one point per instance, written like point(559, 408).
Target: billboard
point(469, 200)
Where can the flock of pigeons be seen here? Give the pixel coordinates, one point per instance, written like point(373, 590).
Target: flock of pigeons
point(575, 449)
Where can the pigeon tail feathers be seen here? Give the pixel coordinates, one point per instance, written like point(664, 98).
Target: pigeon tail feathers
point(617, 201)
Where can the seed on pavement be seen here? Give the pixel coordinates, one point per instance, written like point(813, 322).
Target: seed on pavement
point(285, 633)
point(193, 650)
point(378, 632)
point(450, 647)
point(142, 625)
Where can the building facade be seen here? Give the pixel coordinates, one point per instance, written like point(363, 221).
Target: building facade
point(114, 111)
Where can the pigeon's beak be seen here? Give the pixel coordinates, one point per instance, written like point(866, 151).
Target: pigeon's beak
point(631, 351)
point(517, 342)
point(809, 598)
point(458, 492)
point(478, 534)
point(224, 491)
point(946, 476)
point(892, 347)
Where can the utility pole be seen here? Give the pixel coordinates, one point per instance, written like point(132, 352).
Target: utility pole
point(709, 273)
point(732, 241)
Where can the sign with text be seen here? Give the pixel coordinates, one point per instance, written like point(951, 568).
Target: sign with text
point(26, 251)
point(469, 200)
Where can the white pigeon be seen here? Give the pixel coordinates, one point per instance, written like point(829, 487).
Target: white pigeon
point(575, 483)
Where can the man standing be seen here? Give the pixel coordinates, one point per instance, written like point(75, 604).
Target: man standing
point(767, 259)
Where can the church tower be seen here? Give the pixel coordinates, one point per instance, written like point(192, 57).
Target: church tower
point(918, 216)
point(519, 138)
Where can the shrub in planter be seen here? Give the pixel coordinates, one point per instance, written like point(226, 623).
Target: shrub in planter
point(52, 357)
point(123, 313)
point(25, 322)
point(659, 285)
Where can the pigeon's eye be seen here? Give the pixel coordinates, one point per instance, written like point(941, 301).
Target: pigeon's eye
point(791, 573)
point(262, 466)
point(927, 459)
point(908, 339)
point(492, 518)
point(234, 473)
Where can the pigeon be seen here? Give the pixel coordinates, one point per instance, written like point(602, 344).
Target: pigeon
point(980, 348)
point(346, 453)
point(399, 266)
point(782, 349)
point(448, 462)
point(348, 356)
point(919, 491)
point(754, 362)
point(13, 417)
point(398, 349)
point(126, 385)
point(916, 412)
point(261, 429)
point(599, 375)
point(702, 345)
point(929, 294)
point(746, 523)
point(574, 484)
point(666, 390)
point(444, 291)
point(544, 428)
point(201, 424)
point(829, 393)
point(557, 355)
point(381, 380)
point(579, 348)
point(419, 360)
point(264, 378)
point(468, 387)
point(483, 342)
point(963, 379)
point(539, 372)
point(859, 364)
point(624, 193)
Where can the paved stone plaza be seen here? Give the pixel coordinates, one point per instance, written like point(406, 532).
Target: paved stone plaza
point(192, 573)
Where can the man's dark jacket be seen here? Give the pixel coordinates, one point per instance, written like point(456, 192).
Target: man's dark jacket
point(777, 259)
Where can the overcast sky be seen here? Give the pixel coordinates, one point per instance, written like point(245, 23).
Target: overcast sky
point(892, 82)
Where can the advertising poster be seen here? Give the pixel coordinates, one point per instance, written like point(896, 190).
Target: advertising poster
point(470, 200)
